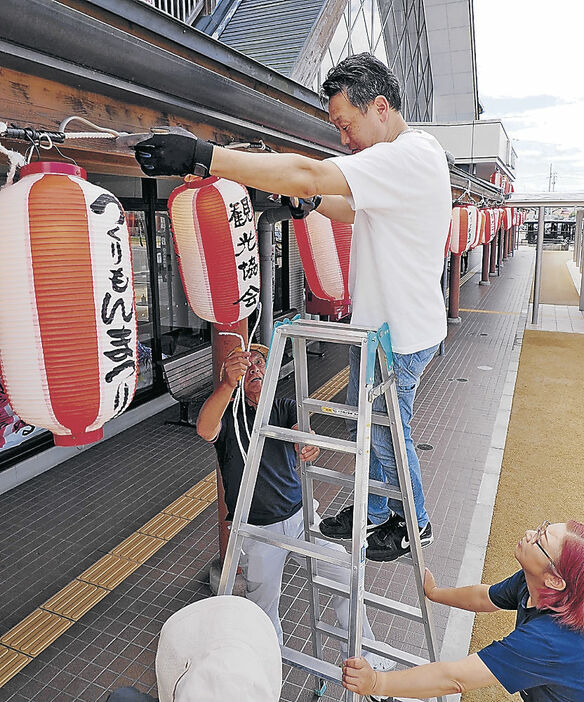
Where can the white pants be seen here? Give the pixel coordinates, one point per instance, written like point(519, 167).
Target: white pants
point(263, 565)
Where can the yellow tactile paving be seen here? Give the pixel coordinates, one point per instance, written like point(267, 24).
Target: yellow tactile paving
point(75, 600)
point(138, 547)
point(513, 314)
point(333, 386)
point(164, 526)
point(205, 490)
point(110, 570)
point(186, 507)
point(36, 632)
point(11, 662)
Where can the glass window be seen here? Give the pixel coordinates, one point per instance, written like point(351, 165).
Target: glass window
point(181, 329)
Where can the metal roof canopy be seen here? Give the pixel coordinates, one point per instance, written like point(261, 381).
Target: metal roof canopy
point(541, 201)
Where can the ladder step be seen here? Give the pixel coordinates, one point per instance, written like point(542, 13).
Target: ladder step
point(372, 646)
point(314, 530)
point(347, 335)
point(371, 600)
point(304, 548)
point(338, 409)
point(302, 437)
point(326, 475)
point(310, 664)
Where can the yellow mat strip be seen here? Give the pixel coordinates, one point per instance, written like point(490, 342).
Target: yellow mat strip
point(516, 314)
point(38, 630)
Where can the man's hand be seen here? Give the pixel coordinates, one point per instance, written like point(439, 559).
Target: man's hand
point(177, 152)
point(301, 207)
point(429, 584)
point(235, 367)
point(359, 676)
point(308, 453)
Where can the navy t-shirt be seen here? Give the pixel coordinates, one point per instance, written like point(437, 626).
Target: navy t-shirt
point(278, 491)
point(541, 658)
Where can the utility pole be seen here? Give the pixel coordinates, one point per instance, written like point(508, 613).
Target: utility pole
point(552, 179)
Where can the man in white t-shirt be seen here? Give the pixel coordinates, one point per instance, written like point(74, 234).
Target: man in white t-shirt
point(395, 189)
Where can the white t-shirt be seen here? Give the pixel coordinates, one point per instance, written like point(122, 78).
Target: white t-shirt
point(402, 202)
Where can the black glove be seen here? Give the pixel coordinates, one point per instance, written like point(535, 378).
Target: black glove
point(301, 207)
point(176, 152)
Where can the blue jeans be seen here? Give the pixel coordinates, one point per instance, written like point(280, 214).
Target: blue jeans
point(408, 369)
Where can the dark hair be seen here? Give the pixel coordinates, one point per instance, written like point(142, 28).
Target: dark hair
point(361, 78)
point(568, 604)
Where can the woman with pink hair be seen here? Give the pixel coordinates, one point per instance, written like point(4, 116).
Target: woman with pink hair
point(542, 658)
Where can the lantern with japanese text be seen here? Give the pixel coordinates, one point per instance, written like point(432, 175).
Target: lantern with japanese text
point(477, 240)
point(67, 318)
point(463, 228)
point(216, 244)
point(325, 251)
point(491, 225)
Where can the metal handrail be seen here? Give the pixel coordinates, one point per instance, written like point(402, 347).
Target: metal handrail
point(185, 11)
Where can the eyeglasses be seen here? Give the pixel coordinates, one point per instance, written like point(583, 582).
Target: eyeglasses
point(539, 532)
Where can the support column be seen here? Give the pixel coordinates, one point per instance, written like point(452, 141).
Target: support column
point(538, 261)
point(493, 255)
point(454, 291)
point(579, 236)
point(500, 249)
point(486, 265)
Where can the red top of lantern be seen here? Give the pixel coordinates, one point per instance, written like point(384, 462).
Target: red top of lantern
point(54, 167)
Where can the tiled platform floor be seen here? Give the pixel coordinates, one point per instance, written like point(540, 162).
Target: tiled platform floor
point(63, 521)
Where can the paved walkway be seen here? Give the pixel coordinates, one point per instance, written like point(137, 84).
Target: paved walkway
point(57, 526)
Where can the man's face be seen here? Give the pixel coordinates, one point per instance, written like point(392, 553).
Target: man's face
point(538, 547)
point(357, 130)
point(252, 383)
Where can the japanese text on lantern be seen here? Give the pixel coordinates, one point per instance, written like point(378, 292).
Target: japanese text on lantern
point(241, 216)
point(117, 308)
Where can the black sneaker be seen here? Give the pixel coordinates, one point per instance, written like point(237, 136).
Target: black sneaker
point(341, 525)
point(390, 541)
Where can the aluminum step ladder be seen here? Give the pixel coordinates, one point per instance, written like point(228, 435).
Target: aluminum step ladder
point(373, 343)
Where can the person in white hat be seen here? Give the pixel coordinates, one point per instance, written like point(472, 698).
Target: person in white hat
point(277, 501)
point(217, 649)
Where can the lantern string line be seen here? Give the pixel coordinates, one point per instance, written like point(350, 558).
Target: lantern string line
point(238, 400)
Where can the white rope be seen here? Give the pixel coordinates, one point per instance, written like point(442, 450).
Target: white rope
point(16, 160)
point(104, 132)
point(238, 399)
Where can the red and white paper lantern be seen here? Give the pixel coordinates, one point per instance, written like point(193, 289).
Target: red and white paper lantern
point(508, 217)
point(216, 244)
point(325, 251)
point(463, 228)
point(491, 227)
point(67, 319)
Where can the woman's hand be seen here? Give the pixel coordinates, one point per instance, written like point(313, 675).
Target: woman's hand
point(359, 676)
point(429, 585)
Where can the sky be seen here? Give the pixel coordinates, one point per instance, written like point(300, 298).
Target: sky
point(530, 65)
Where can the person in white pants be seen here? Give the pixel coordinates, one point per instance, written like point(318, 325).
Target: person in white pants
point(277, 501)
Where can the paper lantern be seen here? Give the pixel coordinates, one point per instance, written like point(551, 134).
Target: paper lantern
point(463, 228)
point(491, 227)
point(216, 244)
point(325, 251)
point(477, 239)
point(508, 217)
point(67, 319)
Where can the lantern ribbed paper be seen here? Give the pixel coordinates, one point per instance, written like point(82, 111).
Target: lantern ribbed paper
point(508, 217)
point(325, 251)
point(67, 318)
point(491, 225)
point(463, 228)
point(216, 244)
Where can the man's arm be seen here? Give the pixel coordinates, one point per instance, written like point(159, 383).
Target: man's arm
point(285, 174)
point(431, 680)
point(474, 598)
point(336, 207)
point(209, 419)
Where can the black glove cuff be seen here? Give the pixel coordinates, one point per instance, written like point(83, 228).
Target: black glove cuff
point(202, 158)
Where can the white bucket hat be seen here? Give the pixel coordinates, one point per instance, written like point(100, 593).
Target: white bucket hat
point(218, 649)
